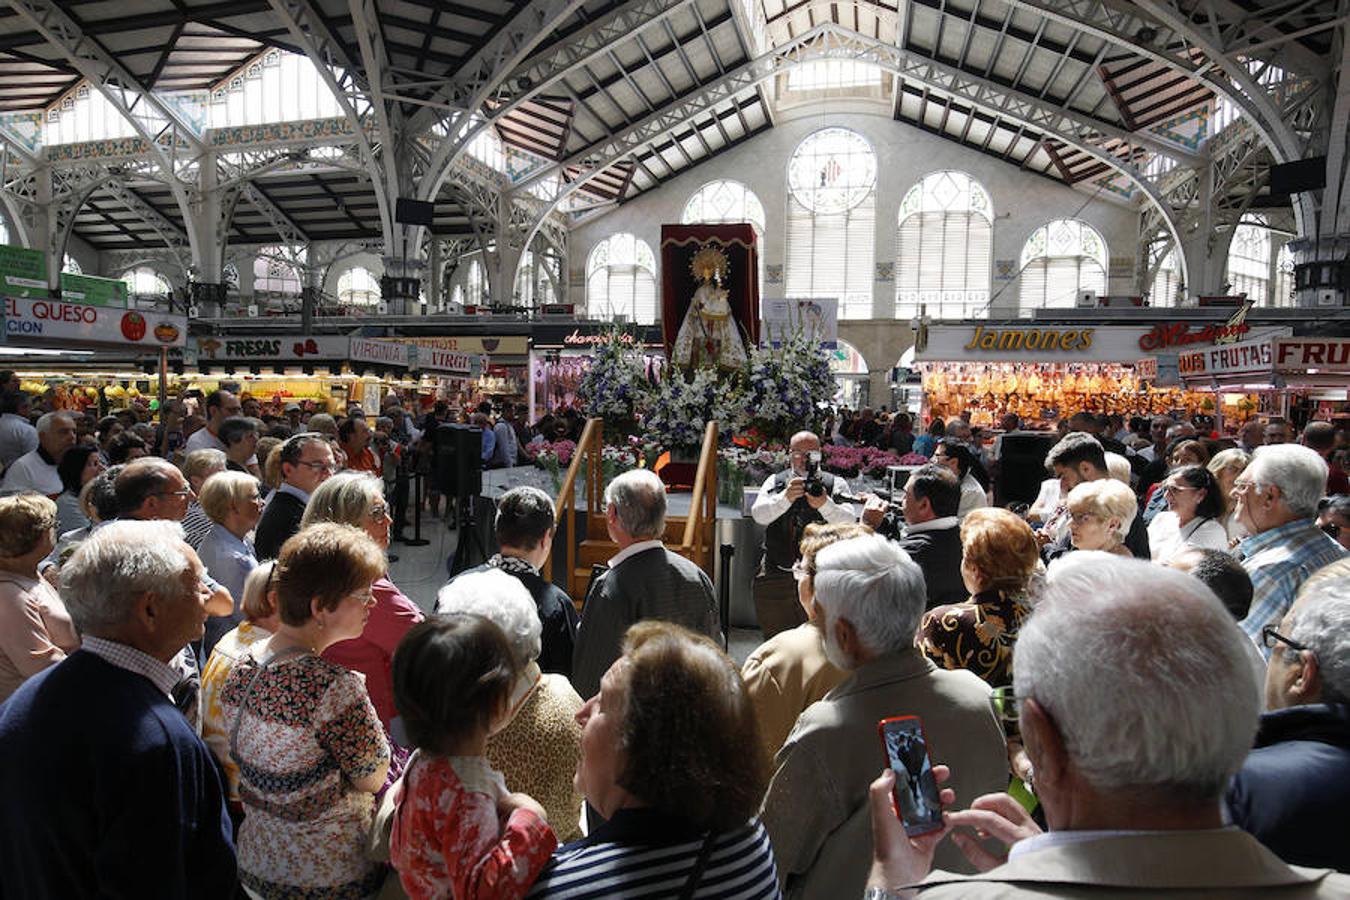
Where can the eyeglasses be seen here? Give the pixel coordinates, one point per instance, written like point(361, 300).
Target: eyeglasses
point(1177, 489)
point(1331, 530)
point(185, 492)
point(1004, 704)
point(800, 571)
point(1270, 635)
point(1242, 487)
point(378, 512)
point(1080, 517)
point(365, 598)
point(330, 468)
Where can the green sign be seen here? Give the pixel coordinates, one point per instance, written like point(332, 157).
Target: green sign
point(94, 290)
point(23, 272)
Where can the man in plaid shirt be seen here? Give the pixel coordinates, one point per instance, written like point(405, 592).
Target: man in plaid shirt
point(1276, 500)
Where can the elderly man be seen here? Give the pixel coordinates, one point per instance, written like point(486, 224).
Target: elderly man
point(525, 527)
point(122, 799)
point(869, 597)
point(306, 463)
point(1276, 501)
point(644, 581)
point(1294, 788)
point(17, 434)
point(36, 471)
point(1131, 788)
point(784, 508)
point(1076, 459)
point(932, 532)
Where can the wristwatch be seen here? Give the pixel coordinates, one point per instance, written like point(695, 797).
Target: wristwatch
point(880, 893)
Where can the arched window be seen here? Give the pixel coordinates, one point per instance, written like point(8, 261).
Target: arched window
point(944, 248)
point(277, 271)
point(1249, 260)
point(229, 276)
point(72, 265)
point(621, 280)
point(831, 227)
point(1061, 260)
point(145, 282)
point(475, 284)
point(727, 202)
point(358, 287)
point(275, 87)
point(1167, 281)
point(457, 295)
point(1284, 277)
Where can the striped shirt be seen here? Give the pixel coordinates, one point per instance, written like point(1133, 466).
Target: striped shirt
point(1279, 561)
point(644, 853)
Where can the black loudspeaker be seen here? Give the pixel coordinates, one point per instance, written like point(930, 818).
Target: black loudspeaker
point(413, 212)
point(1022, 466)
point(1298, 176)
point(458, 468)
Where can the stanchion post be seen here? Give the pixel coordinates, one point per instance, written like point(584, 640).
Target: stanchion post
point(417, 539)
point(724, 594)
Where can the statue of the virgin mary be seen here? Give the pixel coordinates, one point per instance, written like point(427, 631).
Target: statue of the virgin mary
point(708, 336)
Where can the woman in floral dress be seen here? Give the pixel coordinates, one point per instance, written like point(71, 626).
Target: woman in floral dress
point(999, 558)
point(310, 749)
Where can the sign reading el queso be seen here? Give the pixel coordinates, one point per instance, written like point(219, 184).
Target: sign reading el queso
point(42, 319)
point(1031, 339)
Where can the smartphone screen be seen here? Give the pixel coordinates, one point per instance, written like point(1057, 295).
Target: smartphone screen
point(916, 789)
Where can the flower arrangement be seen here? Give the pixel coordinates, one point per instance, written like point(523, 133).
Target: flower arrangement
point(853, 461)
point(787, 387)
point(683, 405)
point(615, 387)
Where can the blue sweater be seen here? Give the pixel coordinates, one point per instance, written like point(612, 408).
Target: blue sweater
point(107, 792)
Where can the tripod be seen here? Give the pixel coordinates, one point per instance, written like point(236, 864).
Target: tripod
point(469, 540)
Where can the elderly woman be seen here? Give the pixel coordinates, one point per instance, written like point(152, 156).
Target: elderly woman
point(1000, 557)
point(198, 467)
point(232, 502)
point(310, 749)
point(789, 671)
point(1226, 466)
point(1100, 515)
point(35, 630)
point(669, 758)
point(538, 751)
point(1194, 516)
point(260, 622)
point(240, 437)
point(357, 499)
point(78, 467)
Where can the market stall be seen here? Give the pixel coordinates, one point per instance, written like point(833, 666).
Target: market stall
point(1303, 378)
point(560, 355)
point(502, 377)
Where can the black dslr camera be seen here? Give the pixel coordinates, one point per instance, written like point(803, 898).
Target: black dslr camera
point(815, 487)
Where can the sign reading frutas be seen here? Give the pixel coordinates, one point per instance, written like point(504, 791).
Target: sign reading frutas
point(1308, 354)
point(1041, 339)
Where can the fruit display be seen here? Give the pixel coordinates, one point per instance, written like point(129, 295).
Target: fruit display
point(1048, 391)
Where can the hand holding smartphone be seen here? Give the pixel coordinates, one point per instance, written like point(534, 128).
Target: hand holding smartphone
point(916, 789)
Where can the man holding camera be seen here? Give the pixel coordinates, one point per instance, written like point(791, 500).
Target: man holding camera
point(788, 501)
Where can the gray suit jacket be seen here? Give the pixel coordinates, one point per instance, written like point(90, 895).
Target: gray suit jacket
point(653, 584)
point(1196, 865)
point(816, 807)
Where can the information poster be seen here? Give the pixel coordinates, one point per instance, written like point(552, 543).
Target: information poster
point(784, 318)
point(93, 290)
point(23, 272)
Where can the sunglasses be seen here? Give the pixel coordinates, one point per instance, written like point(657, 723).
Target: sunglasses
point(1332, 530)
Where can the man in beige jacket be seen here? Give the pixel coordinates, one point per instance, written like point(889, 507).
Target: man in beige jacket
point(1138, 703)
point(869, 596)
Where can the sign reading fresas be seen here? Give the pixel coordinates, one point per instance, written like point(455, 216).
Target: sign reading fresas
point(271, 348)
point(387, 353)
point(29, 318)
point(23, 272)
point(92, 289)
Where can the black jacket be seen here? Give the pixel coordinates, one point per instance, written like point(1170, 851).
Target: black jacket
point(938, 553)
point(1293, 791)
point(557, 615)
point(279, 522)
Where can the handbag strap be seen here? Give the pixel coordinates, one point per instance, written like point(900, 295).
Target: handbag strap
point(248, 692)
point(700, 865)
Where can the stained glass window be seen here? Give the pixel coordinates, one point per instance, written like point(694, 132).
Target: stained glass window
point(358, 287)
point(621, 280)
point(944, 248)
point(1061, 260)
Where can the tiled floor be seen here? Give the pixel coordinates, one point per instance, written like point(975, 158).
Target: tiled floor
point(420, 572)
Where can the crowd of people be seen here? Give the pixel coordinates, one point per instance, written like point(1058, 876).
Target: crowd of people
point(212, 687)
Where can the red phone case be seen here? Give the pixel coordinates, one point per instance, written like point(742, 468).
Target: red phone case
point(881, 733)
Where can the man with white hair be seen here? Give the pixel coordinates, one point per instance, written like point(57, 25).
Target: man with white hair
point(1276, 501)
point(108, 790)
point(869, 597)
point(1293, 789)
point(36, 471)
point(644, 580)
point(1130, 787)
